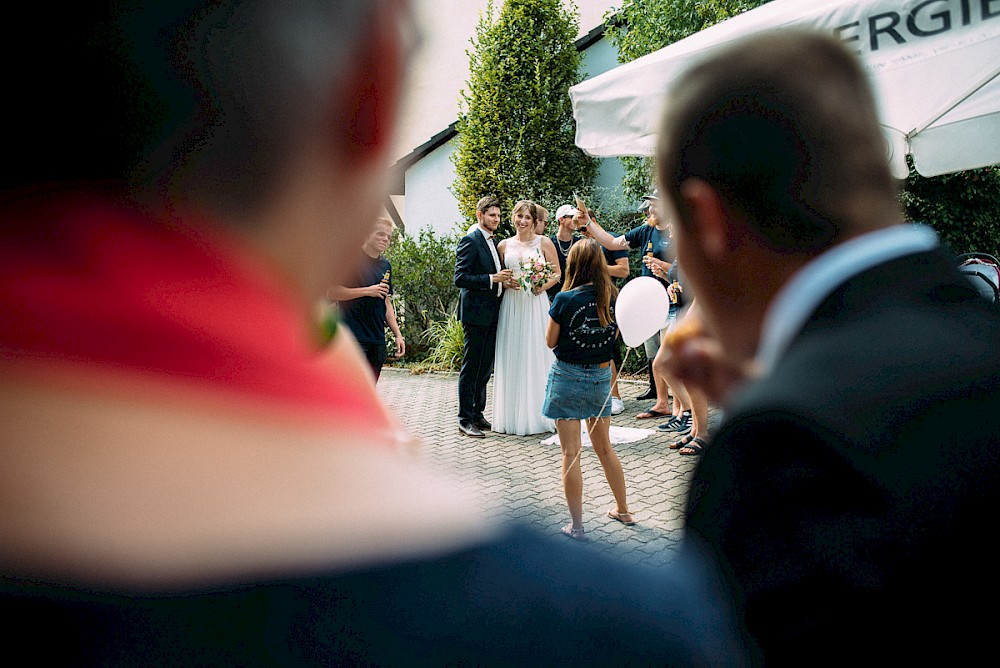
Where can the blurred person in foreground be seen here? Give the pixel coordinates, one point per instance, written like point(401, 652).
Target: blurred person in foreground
point(185, 479)
point(850, 486)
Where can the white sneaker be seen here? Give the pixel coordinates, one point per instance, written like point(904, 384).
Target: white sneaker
point(617, 406)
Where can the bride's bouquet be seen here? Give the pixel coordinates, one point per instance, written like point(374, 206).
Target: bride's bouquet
point(533, 271)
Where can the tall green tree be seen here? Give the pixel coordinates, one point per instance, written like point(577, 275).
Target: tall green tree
point(515, 124)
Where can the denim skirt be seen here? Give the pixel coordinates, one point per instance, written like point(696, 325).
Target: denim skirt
point(577, 391)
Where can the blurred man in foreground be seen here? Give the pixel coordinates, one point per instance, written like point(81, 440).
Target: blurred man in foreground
point(850, 484)
point(185, 480)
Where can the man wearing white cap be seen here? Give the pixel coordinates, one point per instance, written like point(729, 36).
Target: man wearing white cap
point(563, 240)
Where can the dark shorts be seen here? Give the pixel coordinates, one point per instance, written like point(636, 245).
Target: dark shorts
point(577, 392)
point(376, 355)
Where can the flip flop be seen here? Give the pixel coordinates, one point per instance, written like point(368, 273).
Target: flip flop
point(649, 413)
point(695, 447)
point(615, 515)
point(575, 534)
point(683, 443)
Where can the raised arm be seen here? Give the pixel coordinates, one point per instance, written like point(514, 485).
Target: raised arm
point(603, 237)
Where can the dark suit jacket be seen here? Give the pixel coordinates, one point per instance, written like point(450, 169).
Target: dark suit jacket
point(478, 302)
point(850, 496)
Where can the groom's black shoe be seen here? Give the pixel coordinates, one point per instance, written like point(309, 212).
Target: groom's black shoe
point(470, 430)
point(482, 424)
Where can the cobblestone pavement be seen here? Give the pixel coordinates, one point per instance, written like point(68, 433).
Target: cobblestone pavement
point(521, 478)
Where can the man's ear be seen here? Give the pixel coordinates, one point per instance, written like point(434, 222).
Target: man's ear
point(709, 217)
point(366, 103)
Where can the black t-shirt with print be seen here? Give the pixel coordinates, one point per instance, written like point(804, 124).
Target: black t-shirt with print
point(562, 252)
point(582, 340)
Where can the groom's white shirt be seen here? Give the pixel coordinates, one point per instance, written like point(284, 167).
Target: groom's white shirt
point(493, 252)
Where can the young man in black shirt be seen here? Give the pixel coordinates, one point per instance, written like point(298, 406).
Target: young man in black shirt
point(366, 302)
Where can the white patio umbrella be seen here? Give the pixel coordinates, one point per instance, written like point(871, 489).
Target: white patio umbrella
point(934, 65)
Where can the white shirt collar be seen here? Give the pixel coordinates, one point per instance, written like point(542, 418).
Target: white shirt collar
point(487, 235)
point(814, 282)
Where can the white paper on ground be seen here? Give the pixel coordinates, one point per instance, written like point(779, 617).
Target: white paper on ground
point(616, 434)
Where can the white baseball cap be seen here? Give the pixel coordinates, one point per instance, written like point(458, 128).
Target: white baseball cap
point(566, 210)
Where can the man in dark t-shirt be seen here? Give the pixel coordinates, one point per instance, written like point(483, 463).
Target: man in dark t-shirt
point(563, 240)
point(366, 301)
point(569, 218)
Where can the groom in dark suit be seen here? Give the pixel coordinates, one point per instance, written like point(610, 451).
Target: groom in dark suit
point(480, 278)
point(850, 487)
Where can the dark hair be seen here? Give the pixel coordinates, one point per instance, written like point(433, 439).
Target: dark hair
point(783, 126)
point(201, 98)
point(586, 264)
point(486, 203)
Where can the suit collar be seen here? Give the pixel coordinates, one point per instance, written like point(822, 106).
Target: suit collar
point(813, 283)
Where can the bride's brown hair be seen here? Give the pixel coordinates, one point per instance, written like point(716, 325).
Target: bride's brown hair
point(586, 264)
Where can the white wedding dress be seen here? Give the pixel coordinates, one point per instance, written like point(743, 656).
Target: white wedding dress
point(522, 358)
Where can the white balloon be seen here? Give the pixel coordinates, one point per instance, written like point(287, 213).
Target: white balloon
point(641, 310)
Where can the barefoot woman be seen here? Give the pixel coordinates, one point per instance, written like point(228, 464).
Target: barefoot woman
point(582, 334)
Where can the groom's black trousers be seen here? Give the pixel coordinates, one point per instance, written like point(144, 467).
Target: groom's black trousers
point(477, 366)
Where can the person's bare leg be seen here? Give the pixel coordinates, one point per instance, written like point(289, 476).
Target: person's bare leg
point(681, 401)
point(614, 378)
point(663, 403)
point(569, 441)
point(598, 428)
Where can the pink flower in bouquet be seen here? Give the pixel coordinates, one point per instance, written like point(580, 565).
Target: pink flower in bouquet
point(533, 272)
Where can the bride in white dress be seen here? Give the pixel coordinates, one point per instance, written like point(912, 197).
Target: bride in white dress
point(522, 356)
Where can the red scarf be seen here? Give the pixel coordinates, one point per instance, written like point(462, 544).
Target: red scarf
point(105, 292)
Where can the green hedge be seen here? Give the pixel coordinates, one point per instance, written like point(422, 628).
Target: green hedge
point(423, 269)
point(964, 208)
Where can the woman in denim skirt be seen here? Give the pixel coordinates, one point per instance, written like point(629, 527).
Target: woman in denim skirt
point(581, 332)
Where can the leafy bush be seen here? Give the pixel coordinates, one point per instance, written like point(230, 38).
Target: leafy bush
point(515, 126)
point(423, 270)
point(446, 339)
point(964, 207)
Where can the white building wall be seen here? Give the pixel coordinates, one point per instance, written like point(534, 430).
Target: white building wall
point(429, 200)
point(598, 59)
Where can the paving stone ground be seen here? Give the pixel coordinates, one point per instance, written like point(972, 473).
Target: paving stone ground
point(521, 479)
